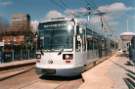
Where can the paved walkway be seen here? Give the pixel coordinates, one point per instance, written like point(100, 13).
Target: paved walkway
point(108, 75)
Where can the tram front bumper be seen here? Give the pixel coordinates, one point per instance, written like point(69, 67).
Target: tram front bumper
point(45, 71)
point(60, 72)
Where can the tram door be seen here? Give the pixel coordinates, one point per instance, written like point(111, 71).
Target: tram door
point(81, 54)
point(80, 40)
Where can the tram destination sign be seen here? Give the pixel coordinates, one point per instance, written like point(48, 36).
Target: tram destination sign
point(55, 25)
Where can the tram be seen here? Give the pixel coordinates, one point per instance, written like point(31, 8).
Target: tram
point(66, 47)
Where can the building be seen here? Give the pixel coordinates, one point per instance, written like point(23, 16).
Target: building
point(20, 22)
point(18, 39)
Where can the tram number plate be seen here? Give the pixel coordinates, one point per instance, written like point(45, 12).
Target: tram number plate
point(50, 71)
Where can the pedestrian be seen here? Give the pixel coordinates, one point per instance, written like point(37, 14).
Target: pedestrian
point(132, 50)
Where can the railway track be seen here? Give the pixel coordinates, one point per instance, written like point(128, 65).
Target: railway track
point(30, 80)
point(4, 74)
point(72, 84)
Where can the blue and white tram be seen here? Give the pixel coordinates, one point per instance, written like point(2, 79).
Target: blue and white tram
point(66, 47)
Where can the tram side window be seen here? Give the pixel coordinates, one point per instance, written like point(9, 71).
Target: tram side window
point(80, 39)
point(95, 44)
point(91, 44)
point(84, 40)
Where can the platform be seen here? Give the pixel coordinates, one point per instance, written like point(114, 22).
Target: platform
point(8, 70)
point(17, 63)
point(110, 74)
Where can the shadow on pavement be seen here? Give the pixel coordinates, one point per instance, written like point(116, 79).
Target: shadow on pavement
point(130, 79)
point(122, 67)
point(129, 83)
point(59, 78)
point(128, 63)
point(131, 76)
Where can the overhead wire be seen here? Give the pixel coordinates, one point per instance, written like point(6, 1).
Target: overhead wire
point(58, 4)
point(104, 22)
point(93, 3)
point(108, 26)
point(63, 5)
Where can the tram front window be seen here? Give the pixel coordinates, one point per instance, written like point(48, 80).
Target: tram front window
point(58, 36)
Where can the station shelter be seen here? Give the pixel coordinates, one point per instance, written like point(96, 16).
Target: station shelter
point(126, 41)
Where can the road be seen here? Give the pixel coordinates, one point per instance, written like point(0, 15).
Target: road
point(30, 80)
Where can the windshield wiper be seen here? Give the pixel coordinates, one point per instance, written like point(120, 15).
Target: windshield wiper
point(61, 51)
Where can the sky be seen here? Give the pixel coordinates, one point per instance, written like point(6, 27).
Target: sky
point(118, 12)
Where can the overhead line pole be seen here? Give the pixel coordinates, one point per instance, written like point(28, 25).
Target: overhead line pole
point(101, 17)
point(89, 13)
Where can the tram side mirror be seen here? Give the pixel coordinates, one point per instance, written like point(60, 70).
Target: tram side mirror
point(42, 53)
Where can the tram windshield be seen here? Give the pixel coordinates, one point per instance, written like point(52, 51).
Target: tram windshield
point(57, 36)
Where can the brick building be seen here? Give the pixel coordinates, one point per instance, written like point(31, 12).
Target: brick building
point(18, 39)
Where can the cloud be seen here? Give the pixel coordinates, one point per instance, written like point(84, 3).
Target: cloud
point(6, 3)
point(75, 12)
point(112, 11)
point(82, 20)
point(53, 14)
point(83, 11)
point(115, 7)
point(97, 19)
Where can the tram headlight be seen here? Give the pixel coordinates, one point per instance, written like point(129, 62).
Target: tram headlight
point(67, 56)
point(38, 56)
